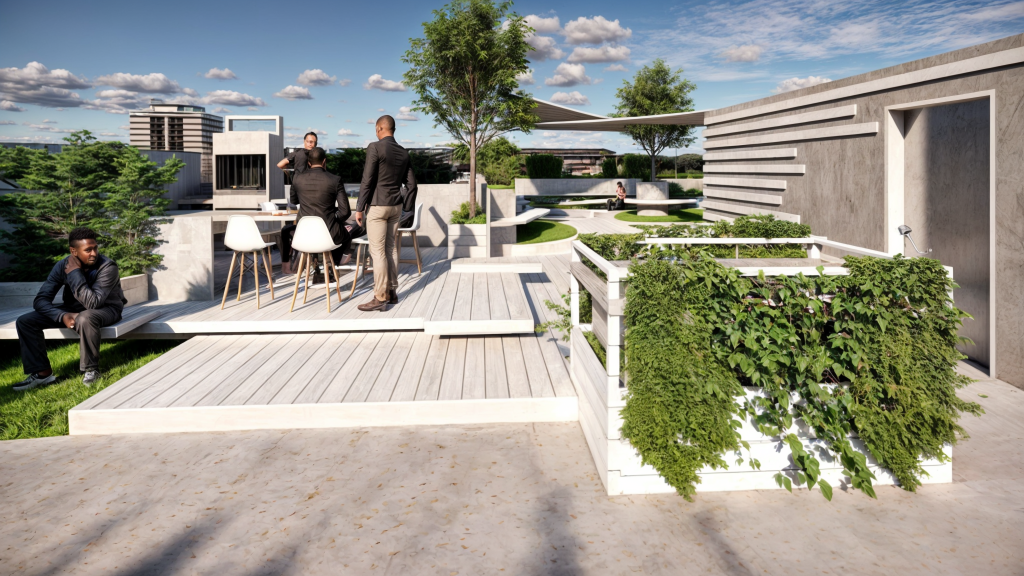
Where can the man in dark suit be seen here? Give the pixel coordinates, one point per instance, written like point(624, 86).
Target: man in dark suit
point(320, 193)
point(92, 299)
point(380, 198)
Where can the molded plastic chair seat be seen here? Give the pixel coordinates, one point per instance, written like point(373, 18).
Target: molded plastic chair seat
point(312, 237)
point(243, 236)
point(411, 230)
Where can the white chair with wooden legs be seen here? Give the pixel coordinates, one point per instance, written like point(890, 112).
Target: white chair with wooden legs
point(243, 236)
point(362, 256)
point(311, 238)
point(415, 243)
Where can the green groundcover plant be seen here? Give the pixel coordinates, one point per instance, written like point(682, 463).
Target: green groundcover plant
point(872, 353)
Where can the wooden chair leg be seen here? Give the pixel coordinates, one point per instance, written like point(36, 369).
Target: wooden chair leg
point(270, 277)
point(416, 247)
point(256, 275)
point(327, 281)
point(355, 277)
point(305, 287)
point(227, 285)
point(337, 281)
point(298, 275)
point(241, 268)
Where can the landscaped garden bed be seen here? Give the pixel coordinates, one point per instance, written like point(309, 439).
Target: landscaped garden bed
point(731, 380)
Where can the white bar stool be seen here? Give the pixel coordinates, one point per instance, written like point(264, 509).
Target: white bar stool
point(313, 237)
point(244, 236)
point(415, 243)
point(362, 255)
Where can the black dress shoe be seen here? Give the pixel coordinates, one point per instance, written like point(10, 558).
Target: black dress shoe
point(374, 304)
point(392, 297)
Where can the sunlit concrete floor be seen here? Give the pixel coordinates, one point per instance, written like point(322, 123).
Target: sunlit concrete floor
point(496, 499)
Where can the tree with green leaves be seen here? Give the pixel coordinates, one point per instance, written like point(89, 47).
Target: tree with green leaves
point(132, 204)
point(498, 160)
point(16, 162)
point(656, 89)
point(463, 72)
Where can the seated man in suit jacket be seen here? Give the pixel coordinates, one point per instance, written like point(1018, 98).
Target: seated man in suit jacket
point(320, 193)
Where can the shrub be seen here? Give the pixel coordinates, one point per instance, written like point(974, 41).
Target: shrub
point(502, 171)
point(677, 191)
point(461, 216)
point(543, 166)
point(636, 166)
point(609, 169)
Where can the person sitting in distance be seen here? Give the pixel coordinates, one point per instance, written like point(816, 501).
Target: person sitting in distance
point(619, 202)
point(92, 299)
point(299, 162)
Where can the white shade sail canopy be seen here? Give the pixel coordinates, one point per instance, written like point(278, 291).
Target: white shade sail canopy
point(556, 117)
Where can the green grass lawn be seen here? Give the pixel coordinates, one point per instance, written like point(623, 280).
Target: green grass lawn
point(684, 215)
point(44, 411)
point(543, 231)
point(501, 187)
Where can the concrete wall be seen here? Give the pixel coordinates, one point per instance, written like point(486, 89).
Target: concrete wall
point(189, 178)
point(844, 182)
point(439, 200)
point(572, 186)
point(686, 183)
point(23, 294)
point(186, 272)
point(271, 146)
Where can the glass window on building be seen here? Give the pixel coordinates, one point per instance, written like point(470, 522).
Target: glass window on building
point(253, 126)
point(241, 172)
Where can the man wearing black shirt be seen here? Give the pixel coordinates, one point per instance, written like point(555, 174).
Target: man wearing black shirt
point(299, 162)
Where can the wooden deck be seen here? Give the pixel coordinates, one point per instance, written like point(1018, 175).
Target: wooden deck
point(341, 379)
point(438, 301)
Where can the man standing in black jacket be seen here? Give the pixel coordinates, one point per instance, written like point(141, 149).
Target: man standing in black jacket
point(320, 193)
point(92, 299)
point(380, 197)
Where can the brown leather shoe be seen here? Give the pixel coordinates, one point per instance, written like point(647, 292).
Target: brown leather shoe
point(372, 305)
point(392, 297)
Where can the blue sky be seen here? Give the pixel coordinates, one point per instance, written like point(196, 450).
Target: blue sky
point(334, 67)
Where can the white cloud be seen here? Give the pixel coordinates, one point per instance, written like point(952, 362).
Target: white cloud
point(405, 113)
point(317, 131)
point(218, 74)
point(48, 121)
point(10, 106)
point(616, 68)
point(330, 115)
point(544, 48)
point(573, 98)
point(291, 128)
point(600, 54)
point(380, 109)
point(190, 92)
point(221, 110)
point(8, 123)
point(798, 83)
point(36, 84)
point(346, 132)
point(526, 78)
point(111, 134)
point(35, 74)
point(124, 127)
point(372, 122)
point(45, 128)
point(155, 83)
point(232, 98)
point(543, 25)
point(568, 75)
point(745, 53)
point(377, 82)
point(117, 94)
point(253, 108)
point(344, 82)
point(294, 93)
point(316, 77)
point(596, 30)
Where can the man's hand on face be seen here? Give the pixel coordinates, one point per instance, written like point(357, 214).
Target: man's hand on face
point(73, 264)
point(69, 319)
point(359, 218)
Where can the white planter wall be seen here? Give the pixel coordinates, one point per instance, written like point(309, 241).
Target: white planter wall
point(21, 294)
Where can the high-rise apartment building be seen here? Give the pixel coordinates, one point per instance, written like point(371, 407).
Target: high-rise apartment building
point(177, 127)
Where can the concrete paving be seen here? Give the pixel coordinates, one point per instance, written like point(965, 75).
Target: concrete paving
point(497, 499)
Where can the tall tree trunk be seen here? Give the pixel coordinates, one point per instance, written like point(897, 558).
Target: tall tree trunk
point(472, 174)
point(652, 167)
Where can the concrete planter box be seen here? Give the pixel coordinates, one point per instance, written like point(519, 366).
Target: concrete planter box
point(572, 186)
point(21, 294)
point(686, 183)
point(467, 241)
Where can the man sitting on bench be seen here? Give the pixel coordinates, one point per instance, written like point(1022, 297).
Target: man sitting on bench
point(92, 299)
point(619, 202)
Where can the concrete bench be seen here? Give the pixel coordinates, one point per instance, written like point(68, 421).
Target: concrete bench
point(132, 319)
point(524, 218)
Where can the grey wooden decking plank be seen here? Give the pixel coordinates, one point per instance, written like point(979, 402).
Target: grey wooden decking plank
point(309, 371)
point(430, 295)
point(454, 370)
point(554, 361)
point(536, 370)
point(196, 384)
point(481, 309)
point(387, 380)
point(409, 379)
point(181, 353)
point(430, 380)
point(268, 369)
point(474, 382)
point(497, 378)
point(255, 368)
point(463, 309)
point(498, 299)
point(339, 386)
point(322, 379)
point(198, 368)
point(418, 298)
point(515, 368)
point(363, 383)
point(515, 296)
point(410, 291)
point(446, 299)
point(251, 348)
point(406, 276)
point(307, 356)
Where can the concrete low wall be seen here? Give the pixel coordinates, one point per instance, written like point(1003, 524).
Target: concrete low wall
point(686, 183)
point(22, 294)
point(572, 186)
point(439, 200)
point(186, 272)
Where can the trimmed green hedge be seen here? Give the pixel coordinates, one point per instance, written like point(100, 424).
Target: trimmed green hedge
point(543, 166)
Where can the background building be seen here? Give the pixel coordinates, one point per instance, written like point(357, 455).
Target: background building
point(50, 148)
point(245, 161)
point(577, 161)
point(177, 127)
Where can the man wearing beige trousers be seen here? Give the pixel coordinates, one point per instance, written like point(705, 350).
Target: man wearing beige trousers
point(387, 169)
